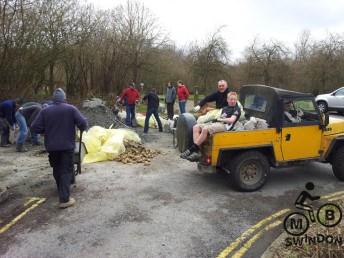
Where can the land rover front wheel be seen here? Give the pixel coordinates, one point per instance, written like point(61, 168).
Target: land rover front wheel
point(338, 163)
point(250, 170)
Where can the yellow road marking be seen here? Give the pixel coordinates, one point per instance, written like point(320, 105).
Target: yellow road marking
point(31, 200)
point(21, 215)
point(336, 198)
point(249, 231)
point(249, 243)
point(332, 195)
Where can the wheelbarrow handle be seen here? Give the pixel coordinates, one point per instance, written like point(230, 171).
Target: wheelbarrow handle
point(80, 142)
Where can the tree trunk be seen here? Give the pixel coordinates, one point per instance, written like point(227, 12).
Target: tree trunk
point(51, 78)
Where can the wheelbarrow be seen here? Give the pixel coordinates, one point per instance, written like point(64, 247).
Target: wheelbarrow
point(79, 153)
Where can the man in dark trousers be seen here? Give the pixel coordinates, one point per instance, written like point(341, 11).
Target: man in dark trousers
point(170, 98)
point(25, 115)
point(57, 122)
point(152, 109)
point(7, 121)
point(220, 97)
point(130, 96)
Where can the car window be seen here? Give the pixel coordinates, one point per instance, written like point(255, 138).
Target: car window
point(339, 92)
point(255, 102)
point(301, 111)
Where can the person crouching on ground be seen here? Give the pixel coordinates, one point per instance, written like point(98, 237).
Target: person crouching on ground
point(229, 116)
point(152, 109)
point(25, 115)
point(57, 122)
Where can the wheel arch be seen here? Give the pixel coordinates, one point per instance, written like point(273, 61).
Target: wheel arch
point(334, 146)
point(227, 154)
point(321, 100)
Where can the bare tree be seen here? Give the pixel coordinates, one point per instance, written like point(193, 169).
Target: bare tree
point(267, 63)
point(210, 60)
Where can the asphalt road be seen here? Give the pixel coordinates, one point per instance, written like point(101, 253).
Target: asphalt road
point(168, 209)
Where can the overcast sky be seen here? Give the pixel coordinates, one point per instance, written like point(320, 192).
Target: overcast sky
point(189, 20)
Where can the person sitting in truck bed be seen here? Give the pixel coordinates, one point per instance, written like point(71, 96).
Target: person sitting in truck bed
point(229, 116)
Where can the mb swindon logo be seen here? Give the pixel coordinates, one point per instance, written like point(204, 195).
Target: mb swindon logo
point(297, 223)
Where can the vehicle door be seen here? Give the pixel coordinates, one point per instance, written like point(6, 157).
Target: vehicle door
point(338, 99)
point(301, 139)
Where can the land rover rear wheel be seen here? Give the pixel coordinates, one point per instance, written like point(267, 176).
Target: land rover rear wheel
point(338, 163)
point(250, 170)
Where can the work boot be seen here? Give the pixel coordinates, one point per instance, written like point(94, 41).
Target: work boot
point(4, 145)
point(185, 154)
point(64, 205)
point(20, 148)
point(194, 157)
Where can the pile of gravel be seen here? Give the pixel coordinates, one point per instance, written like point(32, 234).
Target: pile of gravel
point(97, 113)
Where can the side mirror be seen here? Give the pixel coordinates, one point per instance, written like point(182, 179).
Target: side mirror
point(325, 119)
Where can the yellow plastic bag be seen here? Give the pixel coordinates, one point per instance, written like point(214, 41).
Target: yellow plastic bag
point(100, 132)
point(95, 157)
point(208, 117)
point(114, 146)
point(92, 143)
point(141, 120)
point(106, 144)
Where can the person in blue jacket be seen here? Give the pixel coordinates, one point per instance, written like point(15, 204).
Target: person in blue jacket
point(25, 115)
point(57, 122)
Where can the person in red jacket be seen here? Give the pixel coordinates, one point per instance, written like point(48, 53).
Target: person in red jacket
point(183, 94)
point(130, 96)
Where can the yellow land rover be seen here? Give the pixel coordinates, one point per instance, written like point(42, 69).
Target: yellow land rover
point(248, 154)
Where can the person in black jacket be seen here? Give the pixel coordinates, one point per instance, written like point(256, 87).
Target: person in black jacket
point(220, 97)
point(152, 109)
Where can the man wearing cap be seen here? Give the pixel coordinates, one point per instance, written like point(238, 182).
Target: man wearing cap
point(130, 96)
point(57, 122)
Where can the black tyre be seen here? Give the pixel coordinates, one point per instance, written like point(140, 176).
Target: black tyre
point(322, 105)
point(249, 170)
point(185, 123)
point(338, 163)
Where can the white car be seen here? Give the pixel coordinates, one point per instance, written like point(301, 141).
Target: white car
point(333, 101)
